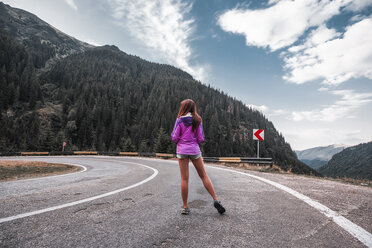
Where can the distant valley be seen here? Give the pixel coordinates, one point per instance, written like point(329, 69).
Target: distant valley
point(318, 156)
point(340, 161)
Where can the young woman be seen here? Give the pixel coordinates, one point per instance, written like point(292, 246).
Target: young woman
point(188, 134)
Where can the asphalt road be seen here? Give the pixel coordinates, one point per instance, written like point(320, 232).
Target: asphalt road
point(144, 206)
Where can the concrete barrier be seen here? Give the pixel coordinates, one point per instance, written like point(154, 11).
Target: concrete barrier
point(86, 153)
point(34, 153)
point(128, 153)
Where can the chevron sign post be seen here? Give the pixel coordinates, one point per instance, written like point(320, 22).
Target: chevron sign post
point(258, 134)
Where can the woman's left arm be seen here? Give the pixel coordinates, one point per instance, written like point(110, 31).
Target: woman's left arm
point(176, 131)
point(200, 134)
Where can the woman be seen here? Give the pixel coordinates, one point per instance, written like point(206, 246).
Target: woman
point(188, 134)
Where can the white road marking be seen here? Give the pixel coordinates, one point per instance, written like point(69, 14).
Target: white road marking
point(356, 231)
point(19, 216)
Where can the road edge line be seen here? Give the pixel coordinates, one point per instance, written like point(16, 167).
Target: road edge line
point(356, 231)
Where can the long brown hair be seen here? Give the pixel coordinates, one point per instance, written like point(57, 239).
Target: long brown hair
point(187, 106)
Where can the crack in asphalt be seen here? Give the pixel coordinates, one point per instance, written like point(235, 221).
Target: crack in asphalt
point(315, 230)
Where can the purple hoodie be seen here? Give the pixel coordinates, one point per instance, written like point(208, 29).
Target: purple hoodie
point(187, 141)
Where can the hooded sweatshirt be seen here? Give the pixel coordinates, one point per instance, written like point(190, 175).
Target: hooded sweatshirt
point(187, 141)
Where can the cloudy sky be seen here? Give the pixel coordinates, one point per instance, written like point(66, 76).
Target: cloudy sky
point(306, 64)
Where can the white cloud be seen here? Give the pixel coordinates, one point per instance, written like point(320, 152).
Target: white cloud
point(325, 55)
point(261, 108)
point(267, 111)
point(281, 24)
point(344, 108)
point(328, 56)
point(92, 42)
point(163, 27)
point(304, 138)
point(323, 89)
point(72, 4)
point(357, 5)
point(312, 51)
point(357, 18)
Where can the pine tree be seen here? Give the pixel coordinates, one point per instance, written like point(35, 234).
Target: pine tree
point(46, 138)
point(128, 145)
point(161, 142)
point(143, 147)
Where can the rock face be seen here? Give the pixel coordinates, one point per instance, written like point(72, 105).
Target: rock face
point(45, 44)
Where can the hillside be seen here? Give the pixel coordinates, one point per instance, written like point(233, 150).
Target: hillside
point(318, 156)
point(100, 98)
point(44, 43)
point(354, 162)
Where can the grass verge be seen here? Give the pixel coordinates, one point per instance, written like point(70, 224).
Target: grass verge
point(13, 170)
point(262, 168)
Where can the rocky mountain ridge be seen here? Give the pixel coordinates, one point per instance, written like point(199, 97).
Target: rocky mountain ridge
point(45, 43)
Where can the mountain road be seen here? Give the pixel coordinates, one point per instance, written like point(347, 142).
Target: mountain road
point(136, 202)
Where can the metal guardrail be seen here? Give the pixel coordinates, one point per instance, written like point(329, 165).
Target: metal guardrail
point(59, 153)
point(128, 153)
point(86, 153)
point(34, 153)
point(147, 154)
point(229, 159)
point(249, 160)
point(164, 155)
point(242, 158)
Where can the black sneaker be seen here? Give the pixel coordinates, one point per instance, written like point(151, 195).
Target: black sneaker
point(185, 211)
point(219, 207)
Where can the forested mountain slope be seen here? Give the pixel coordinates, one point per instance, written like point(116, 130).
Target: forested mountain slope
point(104, 99)
point(353, 162)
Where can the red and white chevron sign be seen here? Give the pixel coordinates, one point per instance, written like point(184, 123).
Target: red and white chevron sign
point(258, 134)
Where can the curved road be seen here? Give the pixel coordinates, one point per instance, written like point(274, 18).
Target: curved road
point(136, 202)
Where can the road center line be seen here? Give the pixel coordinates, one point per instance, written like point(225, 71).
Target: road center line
point(19, 216)
point(356, 231)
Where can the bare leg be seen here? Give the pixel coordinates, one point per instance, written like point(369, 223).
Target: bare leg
point(184, 169)
point(199, 166)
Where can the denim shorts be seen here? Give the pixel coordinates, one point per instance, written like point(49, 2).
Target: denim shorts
point(192, 157)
